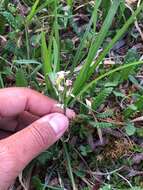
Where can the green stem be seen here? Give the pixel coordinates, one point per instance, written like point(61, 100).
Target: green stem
point(27, 42)
point(70, 172)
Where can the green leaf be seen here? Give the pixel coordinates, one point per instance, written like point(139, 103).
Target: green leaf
point(21, 79)
point(119, 94)
point(95, 45)
point(133, 108)
point(84, 74)
point(106, 114)
point(94, 82)
point(70, 3)
point(117, 37)
point(106, 187)
point(2, 24)
point(131, 56)
point(37, 183)
point(26, 62)
point(130, 129)
point(55, 55)
point(35, 9)
point(56, 40)
point(47, 67)
point(43, 5)
point(78, 56)
point(46, 55)
point(44, 157)
point(101, 124)
point(9, 18)
point(101, 97)
point(85, 150)
point(1, 81)
point(32, 12)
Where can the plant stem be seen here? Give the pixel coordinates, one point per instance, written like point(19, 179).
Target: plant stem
point(70, 172)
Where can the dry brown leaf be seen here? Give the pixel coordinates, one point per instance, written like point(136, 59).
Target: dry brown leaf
point(130, 2)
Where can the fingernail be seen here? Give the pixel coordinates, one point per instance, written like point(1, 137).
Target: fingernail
point(59, 124)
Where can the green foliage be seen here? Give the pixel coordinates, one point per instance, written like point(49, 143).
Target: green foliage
point(37, 183)
point(2, 24)
point(106, 114)
point(21, 78)
point(101, 124)
point(9, 18)
point(32, 12)
point(130, 129)
point(85, 150)
point(86, 87)
point(101, 97)
point(47, 67)
point(132, 56)
point(70, 3)
point(79, 53)
point(106, 187)
point(39, 186)
point(133, 108)
point(88, 68)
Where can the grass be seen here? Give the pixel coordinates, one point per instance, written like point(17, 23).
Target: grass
point(66, 50)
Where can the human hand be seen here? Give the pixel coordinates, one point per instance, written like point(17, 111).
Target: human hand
point(29, 123)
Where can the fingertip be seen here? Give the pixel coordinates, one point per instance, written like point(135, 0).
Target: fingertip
point(58, 122)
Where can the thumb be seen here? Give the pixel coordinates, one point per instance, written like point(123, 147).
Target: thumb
point(26, 144)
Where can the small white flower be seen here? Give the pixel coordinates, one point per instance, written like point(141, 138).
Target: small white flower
point(68, 83)
point(59, 105)
point(88, 103)
point(60, 88)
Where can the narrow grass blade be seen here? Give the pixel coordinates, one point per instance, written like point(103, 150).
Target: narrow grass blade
point(78, 56)
point(70, 3)
point(26, 62)
point(35, 9)
point(84, 73)
point(1, 81)
point(69, 167)
point(27, 42)
point(94, 15)
point(55, 55)
point(43, 5)
point(56, 40)
point(116, 38)
point(32, 12)
point(35, 70)
point(87, 87)
point(46, 57)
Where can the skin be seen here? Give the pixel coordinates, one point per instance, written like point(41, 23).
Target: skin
point(29, 123)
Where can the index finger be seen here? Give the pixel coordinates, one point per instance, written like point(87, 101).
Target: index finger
point(14, 101)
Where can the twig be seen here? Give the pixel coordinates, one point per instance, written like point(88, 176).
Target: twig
point(20, 177)
point(137, 119)
point(125, 179)
point(107, 173)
